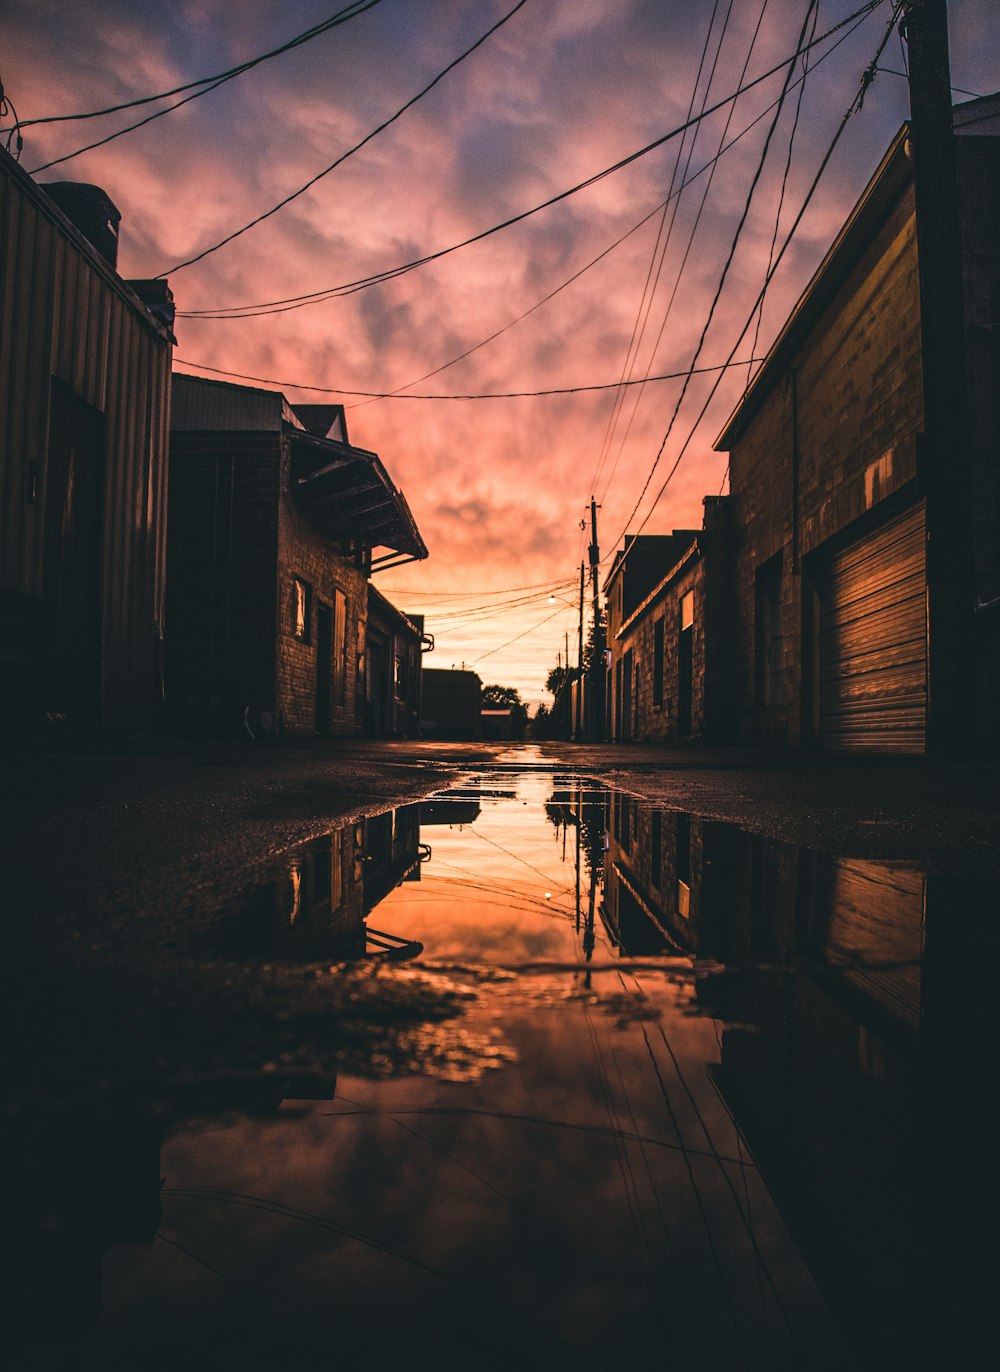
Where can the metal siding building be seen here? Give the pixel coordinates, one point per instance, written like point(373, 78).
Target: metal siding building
point(84, 416)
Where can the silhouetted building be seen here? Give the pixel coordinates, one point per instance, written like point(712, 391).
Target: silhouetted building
point(451, 704)
point(668, 634)
point(274, 518)
point(84, 404)
point(844, 635)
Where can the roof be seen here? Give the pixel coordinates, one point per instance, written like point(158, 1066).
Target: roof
point(348, 494)
point(978, 118)
point(324, 421)
point(690, 553)
point(345, 491)
point(379, 606)
point(44, 203)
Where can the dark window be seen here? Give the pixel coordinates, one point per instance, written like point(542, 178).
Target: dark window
point(768, 680)
point(658, 663)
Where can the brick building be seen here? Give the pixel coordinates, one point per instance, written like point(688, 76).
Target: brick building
point(84, 403)
point(667, 634)
point(274, 517)
point(853, 606)
point(394, 648)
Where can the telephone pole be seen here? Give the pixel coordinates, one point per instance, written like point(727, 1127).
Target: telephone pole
point(578, 722)
point(944, 457)
point(596, 711)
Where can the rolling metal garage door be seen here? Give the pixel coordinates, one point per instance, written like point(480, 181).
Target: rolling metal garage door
point(873, 641)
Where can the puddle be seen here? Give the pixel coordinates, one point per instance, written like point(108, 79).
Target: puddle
point(610, 1086)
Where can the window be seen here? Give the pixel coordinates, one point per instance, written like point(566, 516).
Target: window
point(768, 680)
point(301, 609)
point(658, 663)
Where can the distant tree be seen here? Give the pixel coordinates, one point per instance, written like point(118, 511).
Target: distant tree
point(507, 698)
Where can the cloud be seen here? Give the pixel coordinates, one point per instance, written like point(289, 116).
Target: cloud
point(560, 92)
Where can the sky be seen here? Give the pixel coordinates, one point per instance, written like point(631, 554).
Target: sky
point(614, 282)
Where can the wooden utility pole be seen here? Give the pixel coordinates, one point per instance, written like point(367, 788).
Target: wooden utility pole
point(596, 707)
point(579, 676)
point(944, 456)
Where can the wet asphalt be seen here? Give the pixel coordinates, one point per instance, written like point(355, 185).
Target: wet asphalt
point(101, 836)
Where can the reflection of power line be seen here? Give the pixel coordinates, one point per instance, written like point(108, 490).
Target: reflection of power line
point(511, 1204)
point(264, 1203)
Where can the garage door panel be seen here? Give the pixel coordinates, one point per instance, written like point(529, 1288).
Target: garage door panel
point(873, 640)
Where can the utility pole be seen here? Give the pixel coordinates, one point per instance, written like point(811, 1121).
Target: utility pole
point(944, 458)
point(596, 711)
point(578, 733)
point(567, 695)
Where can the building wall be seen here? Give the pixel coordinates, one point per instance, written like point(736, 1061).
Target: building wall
point(392, 684)
point(65, 315)
point(221, 591)
point(694, 661)
point(303, 552)
point(831, 449)
point(451, 703)
point(979, 169)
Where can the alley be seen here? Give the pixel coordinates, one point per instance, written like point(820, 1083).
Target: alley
point(196, 935)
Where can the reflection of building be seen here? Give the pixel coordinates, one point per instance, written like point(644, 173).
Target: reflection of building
point(274, 518)
point(86, 1178)
point(84, 400)
point(317, 908)
point(821, 999)
point(667, 634)
point(666, 878)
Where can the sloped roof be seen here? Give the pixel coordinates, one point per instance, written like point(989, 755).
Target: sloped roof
point(348, 494)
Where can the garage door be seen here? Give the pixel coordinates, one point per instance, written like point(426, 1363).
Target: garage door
point(873, 641)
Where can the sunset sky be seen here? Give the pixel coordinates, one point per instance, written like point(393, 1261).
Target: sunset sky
point(561, 91)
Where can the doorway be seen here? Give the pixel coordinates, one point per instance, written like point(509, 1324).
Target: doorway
point(324, 666)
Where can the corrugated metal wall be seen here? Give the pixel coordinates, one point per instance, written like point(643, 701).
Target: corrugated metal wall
point(873, 640)
point(64, 314)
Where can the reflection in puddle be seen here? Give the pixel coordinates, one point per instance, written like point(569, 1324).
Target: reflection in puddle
point(657, 1078)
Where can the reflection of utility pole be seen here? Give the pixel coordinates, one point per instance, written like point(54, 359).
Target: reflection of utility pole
point(596, 710)
point(579, 837)
point(589, 937)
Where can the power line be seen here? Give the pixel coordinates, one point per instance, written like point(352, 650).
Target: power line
point(198, 257)
point(483, 656)
point(658, 255)
point(480, 395)
point(710, 165)
point(208, 83)
point(377, 278)
point(731, 254)
point(694, 227)
point(852, 109)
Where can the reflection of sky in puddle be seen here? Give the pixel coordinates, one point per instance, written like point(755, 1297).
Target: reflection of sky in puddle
point(555, 1182)
point(549, 1172)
